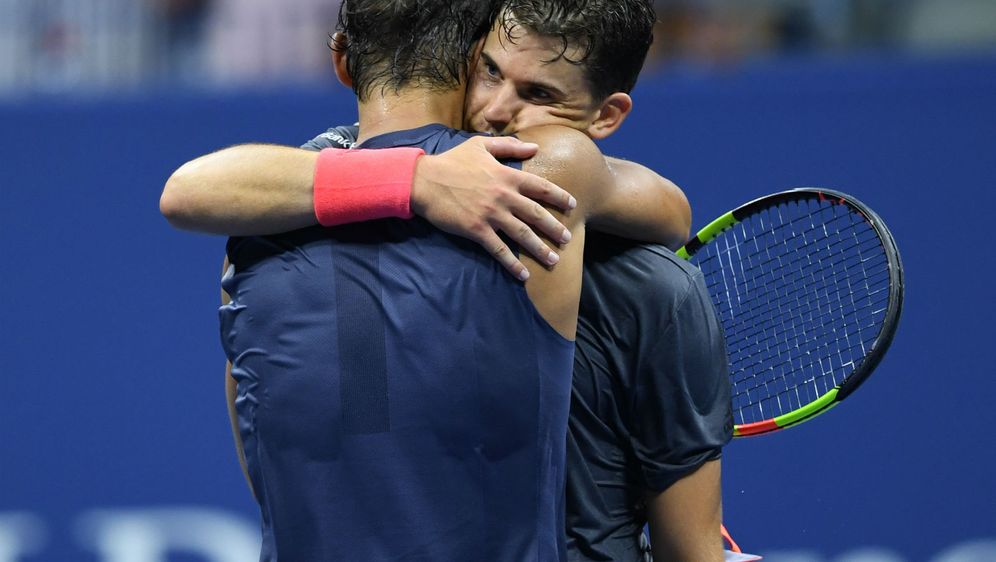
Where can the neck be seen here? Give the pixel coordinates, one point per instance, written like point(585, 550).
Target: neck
point(408, 109)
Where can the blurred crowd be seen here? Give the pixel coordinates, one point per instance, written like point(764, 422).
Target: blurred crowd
point(717, 32)
point(97, 45)
point(117, 45)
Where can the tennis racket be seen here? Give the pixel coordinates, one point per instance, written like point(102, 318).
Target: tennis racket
point(808, 285)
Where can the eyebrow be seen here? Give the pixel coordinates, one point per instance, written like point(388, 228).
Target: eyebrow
point(531, 83)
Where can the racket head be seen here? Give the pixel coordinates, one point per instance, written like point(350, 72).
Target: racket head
point(808, 284)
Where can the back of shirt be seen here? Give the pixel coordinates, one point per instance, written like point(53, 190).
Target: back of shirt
point(399, 396)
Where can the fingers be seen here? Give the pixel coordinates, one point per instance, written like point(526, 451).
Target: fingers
point(489, 198)
point(529, 185)
point(529, 241)
point(526, 207)
point(509, 147)
point(525, 238)
point(542, 190)
point(542, 220)
point(505, 256)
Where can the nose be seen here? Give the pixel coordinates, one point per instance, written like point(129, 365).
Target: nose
point(500, 110)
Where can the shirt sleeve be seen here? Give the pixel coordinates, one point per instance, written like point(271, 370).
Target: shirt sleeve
point(681, 413)
point(343, 136)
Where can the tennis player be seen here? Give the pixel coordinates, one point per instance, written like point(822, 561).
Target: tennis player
point(650, 407)
point(672, 481)
point(387, 411)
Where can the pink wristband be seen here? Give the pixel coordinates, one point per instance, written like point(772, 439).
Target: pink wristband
point(359, 185)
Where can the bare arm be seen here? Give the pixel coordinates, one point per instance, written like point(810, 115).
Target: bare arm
point(243, 190)
point(685, 519)
point(265, 189)
point(645, 184)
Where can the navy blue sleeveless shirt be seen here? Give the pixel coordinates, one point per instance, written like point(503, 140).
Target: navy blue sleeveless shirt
point(399, 395)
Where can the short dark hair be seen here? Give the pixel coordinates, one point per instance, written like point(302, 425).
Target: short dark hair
point(393, 44)
point(612, 37)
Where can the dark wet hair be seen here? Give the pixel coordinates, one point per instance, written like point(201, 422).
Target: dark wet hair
point(611, 37)
point(393, 44)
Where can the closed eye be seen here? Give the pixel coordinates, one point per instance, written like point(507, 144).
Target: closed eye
point(539, 94)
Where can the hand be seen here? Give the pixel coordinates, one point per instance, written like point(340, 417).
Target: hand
point(467, 192)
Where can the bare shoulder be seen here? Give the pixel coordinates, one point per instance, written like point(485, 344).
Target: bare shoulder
point(568, 158)
point(559, 144)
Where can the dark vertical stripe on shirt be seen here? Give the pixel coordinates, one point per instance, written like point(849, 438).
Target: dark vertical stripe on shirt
point(362, 339)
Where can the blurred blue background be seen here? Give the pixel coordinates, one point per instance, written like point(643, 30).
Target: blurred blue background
point(114, 440)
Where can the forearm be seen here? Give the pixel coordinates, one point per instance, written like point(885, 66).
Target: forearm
point(253, 190)
point(644, 206)
point(243, 190)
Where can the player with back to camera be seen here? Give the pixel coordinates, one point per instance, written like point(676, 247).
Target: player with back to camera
point(386, 410)
point(624, 461)
point(650, 408)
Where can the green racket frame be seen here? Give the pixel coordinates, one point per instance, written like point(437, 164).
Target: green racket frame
point(894, 308)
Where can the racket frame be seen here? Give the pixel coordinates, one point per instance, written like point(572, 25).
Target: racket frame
point(892, 313)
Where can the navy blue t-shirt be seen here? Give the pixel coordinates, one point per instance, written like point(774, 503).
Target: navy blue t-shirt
point(651, 396)
point(650, 401)
point(399, 395)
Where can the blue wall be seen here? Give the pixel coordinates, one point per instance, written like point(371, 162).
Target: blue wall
point(111, 402)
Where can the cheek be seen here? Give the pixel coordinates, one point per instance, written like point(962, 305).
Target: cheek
point(476, 98)
point(534, 115)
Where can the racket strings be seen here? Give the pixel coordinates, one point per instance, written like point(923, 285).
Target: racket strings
point(821, 360)
point(747, 275)
point(749, 363)
point(754, 311)
point(744, 386)
point(780, 274)
point(747, 279)
point(820, 357)
point(808, 320)
point(750, 282)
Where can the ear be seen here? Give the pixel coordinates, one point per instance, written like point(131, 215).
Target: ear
point(340, 44)
point(611, 115)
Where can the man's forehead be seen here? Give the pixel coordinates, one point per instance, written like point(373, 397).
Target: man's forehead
point(534, 57)
point(516, 38)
